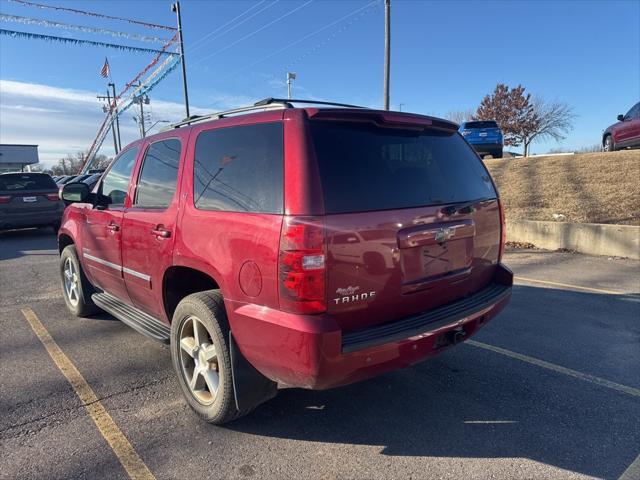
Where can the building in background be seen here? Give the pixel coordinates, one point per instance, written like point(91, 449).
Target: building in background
point(17, 158)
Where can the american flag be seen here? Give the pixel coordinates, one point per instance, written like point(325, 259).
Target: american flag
point(105, 69)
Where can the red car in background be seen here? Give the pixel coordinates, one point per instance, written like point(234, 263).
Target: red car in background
point(625, 133)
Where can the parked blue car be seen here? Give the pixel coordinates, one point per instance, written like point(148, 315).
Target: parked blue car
point(484, 136)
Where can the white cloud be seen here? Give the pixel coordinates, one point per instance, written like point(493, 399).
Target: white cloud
point(64, 120)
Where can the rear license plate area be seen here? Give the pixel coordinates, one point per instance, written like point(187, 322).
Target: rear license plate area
point(29, 199)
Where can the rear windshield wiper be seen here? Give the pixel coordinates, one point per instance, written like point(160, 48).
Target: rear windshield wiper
point(466, 207)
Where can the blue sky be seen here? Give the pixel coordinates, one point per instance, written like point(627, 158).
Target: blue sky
point(446, 55)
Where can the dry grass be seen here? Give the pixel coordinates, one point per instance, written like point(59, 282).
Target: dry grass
point(586, 188)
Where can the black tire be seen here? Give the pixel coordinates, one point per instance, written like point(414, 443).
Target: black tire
point(608, 145)
point(82, 306)
point(207, 308)
point(497, 154)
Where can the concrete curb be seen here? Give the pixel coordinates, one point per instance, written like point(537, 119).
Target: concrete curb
point(590, 238)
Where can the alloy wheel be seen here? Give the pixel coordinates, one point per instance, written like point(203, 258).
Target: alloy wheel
point(71, 282)
point(199, 360)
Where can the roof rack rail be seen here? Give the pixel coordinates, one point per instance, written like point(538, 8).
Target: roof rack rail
point(262, 105)
point(226, 113)
point(290, 101)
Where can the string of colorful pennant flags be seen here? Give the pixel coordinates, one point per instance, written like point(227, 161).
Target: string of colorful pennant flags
point(92, 14)
point(77, 41)
point(80, 28)
point(165, 59)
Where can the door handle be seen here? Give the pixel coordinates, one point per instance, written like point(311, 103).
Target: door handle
point(161, 232)
point(112, 227)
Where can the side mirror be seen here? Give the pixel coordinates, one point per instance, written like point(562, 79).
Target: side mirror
point(621, 118)
point(75, 192)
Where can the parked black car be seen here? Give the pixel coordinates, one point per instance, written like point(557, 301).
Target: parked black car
point(29, 200)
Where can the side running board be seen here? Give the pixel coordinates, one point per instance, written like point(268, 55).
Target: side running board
point(136, 319)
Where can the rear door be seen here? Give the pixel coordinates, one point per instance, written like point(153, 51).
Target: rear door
point(149, 225)
point(412, 218)
point(102, 230)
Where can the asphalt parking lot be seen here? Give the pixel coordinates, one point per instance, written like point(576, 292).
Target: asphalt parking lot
point(550, 389)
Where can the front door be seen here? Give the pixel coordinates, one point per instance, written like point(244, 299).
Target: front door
point(149, 226)
point(102, 231)
point(630, 126)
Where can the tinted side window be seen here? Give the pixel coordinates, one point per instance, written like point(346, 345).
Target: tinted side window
point(115, 183)
point(634, 112)
point(157, 182)
point(239, 169)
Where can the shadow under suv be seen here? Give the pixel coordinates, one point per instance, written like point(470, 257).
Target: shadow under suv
point(304, 247)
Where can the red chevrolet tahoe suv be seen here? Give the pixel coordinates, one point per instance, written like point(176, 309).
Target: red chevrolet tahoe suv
point(296, 247)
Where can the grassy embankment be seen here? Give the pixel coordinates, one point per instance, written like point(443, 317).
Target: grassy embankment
point(585, 188)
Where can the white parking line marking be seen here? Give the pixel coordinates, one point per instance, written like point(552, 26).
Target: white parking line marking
point(129, 458)
point(557, 368)
point(489, 422)
point(568, 285)
point(633, 471)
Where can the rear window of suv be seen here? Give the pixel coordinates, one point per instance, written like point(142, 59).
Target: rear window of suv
point(484, 124)
point(23, 182)
point(365, 168)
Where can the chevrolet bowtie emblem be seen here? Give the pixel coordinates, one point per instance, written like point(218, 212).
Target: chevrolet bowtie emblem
point(444, 234)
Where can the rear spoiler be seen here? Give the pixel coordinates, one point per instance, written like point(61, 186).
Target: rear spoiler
point(382, 118)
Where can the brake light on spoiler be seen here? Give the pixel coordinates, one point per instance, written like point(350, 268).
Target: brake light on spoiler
point(382, 119)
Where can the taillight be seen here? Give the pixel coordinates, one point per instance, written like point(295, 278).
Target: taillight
point(302, 267)
point(5, 198)
point(54, 197)
point(503, 231)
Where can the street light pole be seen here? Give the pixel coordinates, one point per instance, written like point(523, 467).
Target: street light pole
point(115, 107)
point(290, 76)
point(387, 50)
point(176, 8)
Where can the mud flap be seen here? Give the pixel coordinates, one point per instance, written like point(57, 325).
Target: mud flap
point(250, 387)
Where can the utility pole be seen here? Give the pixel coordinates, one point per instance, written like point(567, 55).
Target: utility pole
point(176, 8)
point(290, 76)
point(141, 100)
point(115, 108)
point(109, 109)
point(387, 50)
point(142, 130)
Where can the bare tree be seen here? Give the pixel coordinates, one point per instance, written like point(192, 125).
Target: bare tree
point(72, 164)
point(460, 116)
point(551, 120)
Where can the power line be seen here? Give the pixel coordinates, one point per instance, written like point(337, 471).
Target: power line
point(361, 10)
point(249, 35)
point(194, 44)
point(330, 37)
